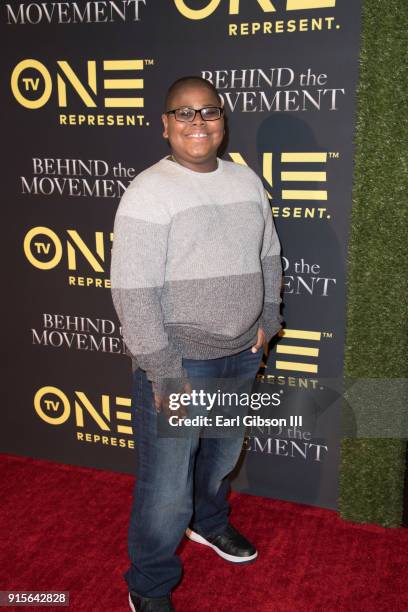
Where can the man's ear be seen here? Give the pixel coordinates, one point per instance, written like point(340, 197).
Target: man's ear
point(165, 120)
point(222, 104)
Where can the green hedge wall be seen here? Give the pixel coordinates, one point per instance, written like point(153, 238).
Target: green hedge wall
point(372, 471)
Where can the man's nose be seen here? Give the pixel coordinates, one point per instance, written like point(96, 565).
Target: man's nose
point(198, 119)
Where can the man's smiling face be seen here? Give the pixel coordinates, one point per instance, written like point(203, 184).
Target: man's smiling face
point(194, 144)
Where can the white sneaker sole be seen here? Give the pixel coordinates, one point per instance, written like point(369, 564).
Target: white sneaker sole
point(132, 607)
point(195, 537)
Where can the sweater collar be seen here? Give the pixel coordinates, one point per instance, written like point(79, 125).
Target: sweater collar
point(185, 170)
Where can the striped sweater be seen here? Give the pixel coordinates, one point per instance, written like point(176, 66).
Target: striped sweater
point(195, 267)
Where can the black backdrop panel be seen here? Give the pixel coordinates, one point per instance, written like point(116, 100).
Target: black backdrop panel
point(84, 89)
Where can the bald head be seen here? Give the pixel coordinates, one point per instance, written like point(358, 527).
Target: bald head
point(186, 83)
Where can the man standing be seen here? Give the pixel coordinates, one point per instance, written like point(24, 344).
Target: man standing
point(196, 277)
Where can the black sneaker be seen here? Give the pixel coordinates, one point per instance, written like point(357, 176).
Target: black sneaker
point(138, 603)
point(230, 545)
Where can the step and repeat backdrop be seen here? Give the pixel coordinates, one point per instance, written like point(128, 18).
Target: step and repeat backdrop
point(84, 84)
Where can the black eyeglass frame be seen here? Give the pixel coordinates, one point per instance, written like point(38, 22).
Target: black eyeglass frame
point(198, 110)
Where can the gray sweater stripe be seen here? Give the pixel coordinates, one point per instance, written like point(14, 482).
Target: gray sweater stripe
point(195, 265)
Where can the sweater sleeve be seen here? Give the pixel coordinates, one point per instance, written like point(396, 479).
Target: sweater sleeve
point(271, 318)
point(138, 265)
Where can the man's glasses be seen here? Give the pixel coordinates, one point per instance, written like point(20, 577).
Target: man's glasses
point(208, 113)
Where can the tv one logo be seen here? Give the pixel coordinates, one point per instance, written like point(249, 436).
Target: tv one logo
point(266, 6)
point(44, 248)
point(55, 408)
point(32, 83)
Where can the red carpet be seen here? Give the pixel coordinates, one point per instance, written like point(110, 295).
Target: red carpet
point(65, 528)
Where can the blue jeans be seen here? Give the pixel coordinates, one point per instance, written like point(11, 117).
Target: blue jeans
point(180, 482)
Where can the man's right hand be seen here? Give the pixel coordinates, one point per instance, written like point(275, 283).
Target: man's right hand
point(162, 403)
